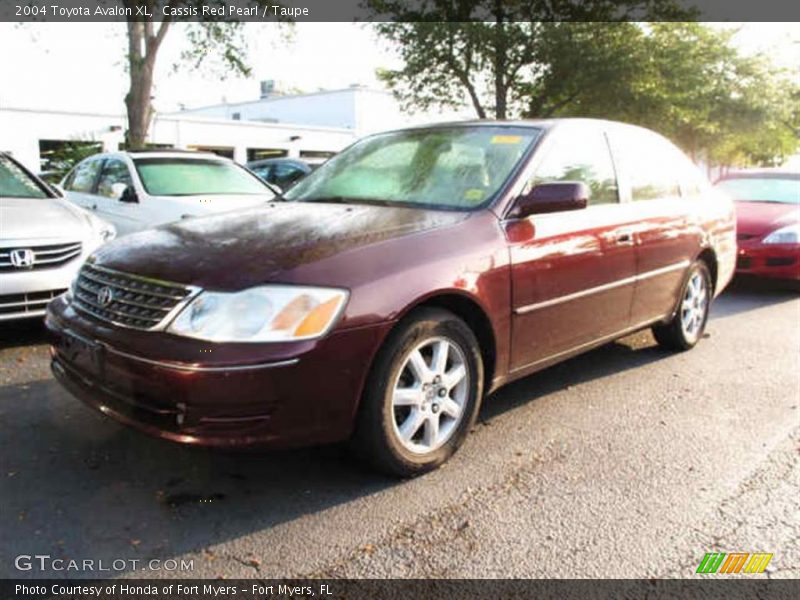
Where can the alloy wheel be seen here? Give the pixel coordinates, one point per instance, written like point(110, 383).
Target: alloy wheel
point(429, 395)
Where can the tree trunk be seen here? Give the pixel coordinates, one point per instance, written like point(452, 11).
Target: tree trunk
point(143, 45)
point(500, 54)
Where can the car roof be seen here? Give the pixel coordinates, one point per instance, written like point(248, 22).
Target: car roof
point(766, 173)
point(134, 154)
point(539, 124)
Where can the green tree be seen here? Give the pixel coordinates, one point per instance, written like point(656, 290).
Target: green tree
point(484, 50)
point(684, 79)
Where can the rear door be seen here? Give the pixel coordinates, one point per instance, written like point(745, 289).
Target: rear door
point(668, 235)
point(573, 272)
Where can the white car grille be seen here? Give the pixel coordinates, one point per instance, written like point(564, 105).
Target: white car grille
point(31, 304)
point(27, 258)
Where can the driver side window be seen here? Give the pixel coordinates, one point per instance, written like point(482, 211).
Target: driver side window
point(114, 171)
point(581, 156)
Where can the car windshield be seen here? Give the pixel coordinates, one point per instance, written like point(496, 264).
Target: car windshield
point(454, 168)
point(763, 189)
point(16, 183)
point(195, 177)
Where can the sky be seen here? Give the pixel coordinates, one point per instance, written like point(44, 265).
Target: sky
point(80, 66)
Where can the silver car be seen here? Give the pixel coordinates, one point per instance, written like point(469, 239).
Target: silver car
point(43, 241)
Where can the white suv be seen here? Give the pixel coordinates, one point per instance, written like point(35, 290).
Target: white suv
point(139, 190)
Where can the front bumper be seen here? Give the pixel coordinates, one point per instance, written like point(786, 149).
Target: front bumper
point(26, 293)
point(283, 397)
point(777, 261)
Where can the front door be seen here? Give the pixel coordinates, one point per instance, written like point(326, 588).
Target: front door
point(573, 272)
point(126, 216)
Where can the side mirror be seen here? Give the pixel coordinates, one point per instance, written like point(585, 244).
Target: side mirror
point(552, 197)
point(127, 195)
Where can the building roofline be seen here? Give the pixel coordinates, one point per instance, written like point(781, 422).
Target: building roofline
point(276, 98)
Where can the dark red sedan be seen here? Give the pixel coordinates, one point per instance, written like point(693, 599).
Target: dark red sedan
point(767, 221)
point(400, 283)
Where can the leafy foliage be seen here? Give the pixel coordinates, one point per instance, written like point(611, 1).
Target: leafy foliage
point(511, 59)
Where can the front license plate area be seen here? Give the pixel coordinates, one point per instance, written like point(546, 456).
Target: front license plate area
point(84, 354)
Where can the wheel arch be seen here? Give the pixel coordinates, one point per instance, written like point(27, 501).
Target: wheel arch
point(708, 256)
point(469, 309)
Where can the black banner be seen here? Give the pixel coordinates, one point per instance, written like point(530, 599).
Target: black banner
point(418, 589)
point(371, 10)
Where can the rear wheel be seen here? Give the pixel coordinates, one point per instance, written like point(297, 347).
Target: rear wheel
point(422, 395)
point(689, 322)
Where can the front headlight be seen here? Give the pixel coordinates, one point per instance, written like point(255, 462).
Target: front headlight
point(271, 313)
point(785, 235)
point(103, 230)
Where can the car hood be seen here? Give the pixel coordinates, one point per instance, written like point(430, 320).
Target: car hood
point(248, 247)
point(34, 218)
point(757, 219)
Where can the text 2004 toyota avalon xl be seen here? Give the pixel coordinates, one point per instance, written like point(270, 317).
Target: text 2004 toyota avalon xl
point(403, 280)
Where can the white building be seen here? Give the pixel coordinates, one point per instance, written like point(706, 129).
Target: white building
point(314, 126)
point(357, 108)
point(29, 134)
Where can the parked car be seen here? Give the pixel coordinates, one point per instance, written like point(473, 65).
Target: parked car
point(139, 190)
point(406, 278)
point(283, 172)
point(43, 240)
point(767, 221)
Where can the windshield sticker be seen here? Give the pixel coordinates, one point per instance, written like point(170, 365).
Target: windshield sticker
point(506, 139)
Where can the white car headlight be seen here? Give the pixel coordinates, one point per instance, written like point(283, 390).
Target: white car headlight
point(785, 235)
point(103, 230)
point(271, 313)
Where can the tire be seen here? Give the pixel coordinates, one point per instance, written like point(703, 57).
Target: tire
point(687, 325)
point(404, 399)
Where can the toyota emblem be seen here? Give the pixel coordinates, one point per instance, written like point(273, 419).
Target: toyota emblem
point(105, 296)
point(23, 258)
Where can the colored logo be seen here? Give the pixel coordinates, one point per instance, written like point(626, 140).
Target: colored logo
point(735, 562)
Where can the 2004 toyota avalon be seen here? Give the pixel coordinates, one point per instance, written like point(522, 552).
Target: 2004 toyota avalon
point(405, 279)
point(43, 241)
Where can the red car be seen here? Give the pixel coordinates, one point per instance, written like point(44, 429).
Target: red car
point(767, 221)
point(400, 283)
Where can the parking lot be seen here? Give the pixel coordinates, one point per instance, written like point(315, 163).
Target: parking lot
point(625, 462)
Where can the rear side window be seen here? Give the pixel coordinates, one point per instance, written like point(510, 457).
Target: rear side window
point(580, 155)
point(650, 162)
point(82, 180)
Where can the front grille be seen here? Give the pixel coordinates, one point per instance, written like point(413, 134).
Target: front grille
point(30, 304)
point(134, 301)
point(49, 256)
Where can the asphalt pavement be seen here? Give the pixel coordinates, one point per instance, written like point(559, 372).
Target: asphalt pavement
point(625, 462)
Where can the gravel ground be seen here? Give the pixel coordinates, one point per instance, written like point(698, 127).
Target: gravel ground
point(625, 462)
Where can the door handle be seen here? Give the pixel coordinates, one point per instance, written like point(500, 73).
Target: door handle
point(625, 238)
point(94, 206)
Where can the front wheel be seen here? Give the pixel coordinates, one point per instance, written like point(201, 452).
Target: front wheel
point(689, 322)
point(422, 395)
